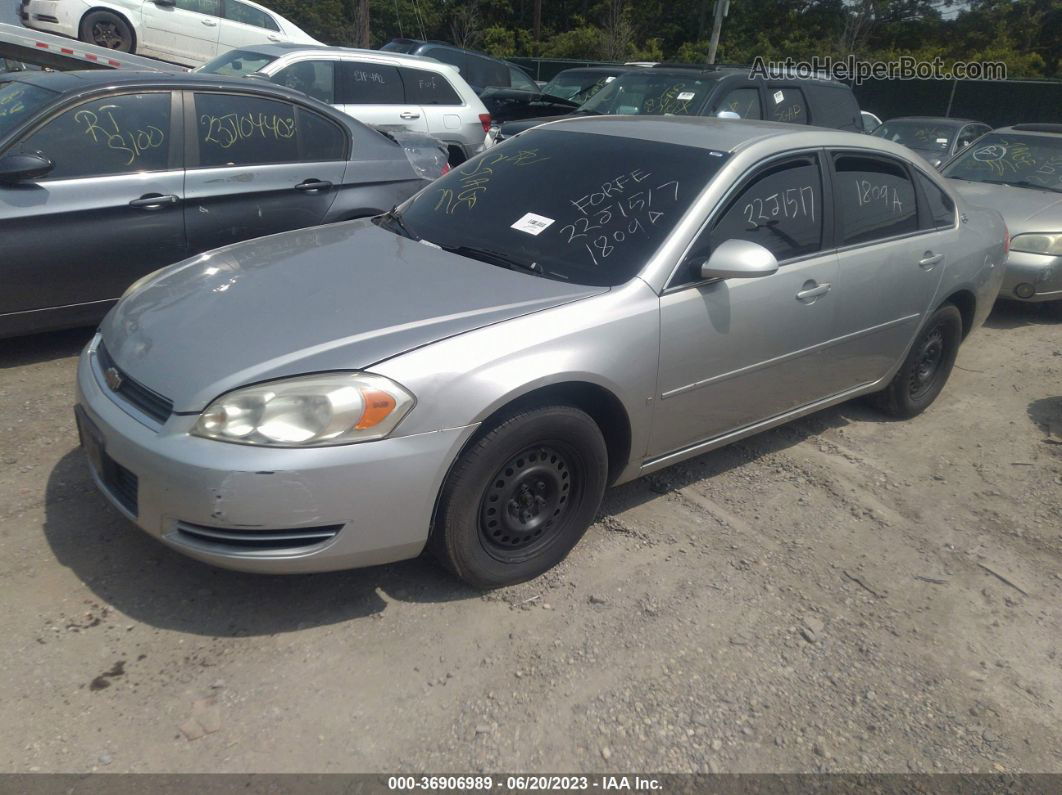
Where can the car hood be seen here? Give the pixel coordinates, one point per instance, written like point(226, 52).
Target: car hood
point(1024, 209)
point(340, 297)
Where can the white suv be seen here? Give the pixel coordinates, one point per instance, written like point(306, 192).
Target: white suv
point(378, 88)
point(188, 32)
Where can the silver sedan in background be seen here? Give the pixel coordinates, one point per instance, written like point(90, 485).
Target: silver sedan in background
point(591, 301)
point(1018, 171)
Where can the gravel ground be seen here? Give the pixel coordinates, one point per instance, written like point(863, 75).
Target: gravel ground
point(843, 593)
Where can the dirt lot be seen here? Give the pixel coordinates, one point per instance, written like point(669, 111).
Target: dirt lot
point(843, 593)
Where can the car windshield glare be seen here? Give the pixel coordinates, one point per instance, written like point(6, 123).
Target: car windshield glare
point(237, 63)
point(579, 86)
point(19, 101)
point(586, 208)
point(651, 93)
point(916, 135)
point(1028, 161)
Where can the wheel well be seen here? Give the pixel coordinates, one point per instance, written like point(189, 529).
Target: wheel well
point(123, 17)
point(457, 155)
point(603, 407)
point(966, 303)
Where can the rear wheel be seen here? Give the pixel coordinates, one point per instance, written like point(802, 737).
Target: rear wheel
point(926, 368)
point(107, 29)
point(521, 496)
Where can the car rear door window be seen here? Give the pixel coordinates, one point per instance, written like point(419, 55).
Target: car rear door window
point(874, 199)
point(236, 130)
point(364, 83)
point(313, 78)
point(248, 15)
point(940, 207)
point(320, 139)
point(781, 209)
point(745, 102)
point(428, 88)
point(787, 104)
point(121, 134)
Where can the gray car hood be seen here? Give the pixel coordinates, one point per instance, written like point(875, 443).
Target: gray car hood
point(1024, 209)
point(340, 297)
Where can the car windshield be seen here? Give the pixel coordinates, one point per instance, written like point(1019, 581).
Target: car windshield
point(19, 101)
point(917, 134)
point(652, 93)
point(576, 86)
point(237, 63)
point(581, 207)
point(1025, 161)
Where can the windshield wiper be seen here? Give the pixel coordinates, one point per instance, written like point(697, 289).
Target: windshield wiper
point(396, 221)
point(495, 258)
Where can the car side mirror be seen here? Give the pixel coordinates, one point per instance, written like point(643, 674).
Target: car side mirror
point(20, 166)
point(738, 259)
point(727, 114)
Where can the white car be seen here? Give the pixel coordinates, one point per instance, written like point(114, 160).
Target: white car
point(385, 89)
point(188, 32)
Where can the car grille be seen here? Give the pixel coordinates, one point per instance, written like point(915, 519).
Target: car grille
point(151, 403)
point(257, 540)
point(122, 484)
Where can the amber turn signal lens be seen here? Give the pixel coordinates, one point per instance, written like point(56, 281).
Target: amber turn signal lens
point(378, 405)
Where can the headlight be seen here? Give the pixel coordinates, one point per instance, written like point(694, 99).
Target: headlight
point(309, 411)
point(132, 288)
point(1038, 244)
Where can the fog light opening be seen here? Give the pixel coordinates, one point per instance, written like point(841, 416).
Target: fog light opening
point(1025, 290)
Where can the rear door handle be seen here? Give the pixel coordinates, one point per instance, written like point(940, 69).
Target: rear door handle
point(153, 201)
point(813, 292)
point(313, 184)
point(408, 114)
point(210, 23)
point(930, 260)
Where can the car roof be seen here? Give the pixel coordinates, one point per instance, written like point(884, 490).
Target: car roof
point(723, 135)
point(1033, 128)
point(596, 70)
point(287, 48)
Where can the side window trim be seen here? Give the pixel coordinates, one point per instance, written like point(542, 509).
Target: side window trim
point(919, 198)
point(736, 188)
point(923, 202)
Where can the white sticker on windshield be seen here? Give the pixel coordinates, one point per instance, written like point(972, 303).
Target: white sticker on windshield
point(686, 95)
point(532, 224)
point(778, 97)
point(942, 140)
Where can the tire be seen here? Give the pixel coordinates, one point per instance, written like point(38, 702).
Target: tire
point(926, 368)
point(107, 29)
point(521, 496)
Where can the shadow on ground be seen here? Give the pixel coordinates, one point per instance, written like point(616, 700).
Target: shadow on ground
point(37, 348)
point(1014, 314)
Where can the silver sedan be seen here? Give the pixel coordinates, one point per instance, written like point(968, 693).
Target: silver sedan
point(1018, 171)
point(591, 301)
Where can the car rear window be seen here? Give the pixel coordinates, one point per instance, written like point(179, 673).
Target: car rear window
point(1026, 161)
point(579, 207)
point(19, 101)
point(652, 93)
point(237, 63)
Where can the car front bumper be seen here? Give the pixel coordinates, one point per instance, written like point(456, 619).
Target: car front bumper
point(261, 509)
point(1032, 277)
point(50, 16)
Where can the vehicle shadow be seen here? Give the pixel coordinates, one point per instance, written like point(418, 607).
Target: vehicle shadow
point(37, 348)
point(145, 580)
point(1015, 314)
point(1046, 413)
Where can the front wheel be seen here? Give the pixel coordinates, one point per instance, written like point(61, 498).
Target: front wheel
point(926, 368)
point(107, 29)
point(521, 496)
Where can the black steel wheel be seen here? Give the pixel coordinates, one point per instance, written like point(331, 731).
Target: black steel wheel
point(521, 496)
point(924, 372)
point(107, 29)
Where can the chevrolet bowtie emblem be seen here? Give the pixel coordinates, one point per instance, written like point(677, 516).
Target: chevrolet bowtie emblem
point(113, 378)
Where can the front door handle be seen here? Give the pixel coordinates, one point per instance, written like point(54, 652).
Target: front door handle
point(153, 201)
point(812, 290)
point(210, 23)
point(930, 260)
point(408, 114)
point(313, 184)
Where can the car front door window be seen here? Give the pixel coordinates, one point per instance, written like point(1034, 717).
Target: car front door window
point(745, 102)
